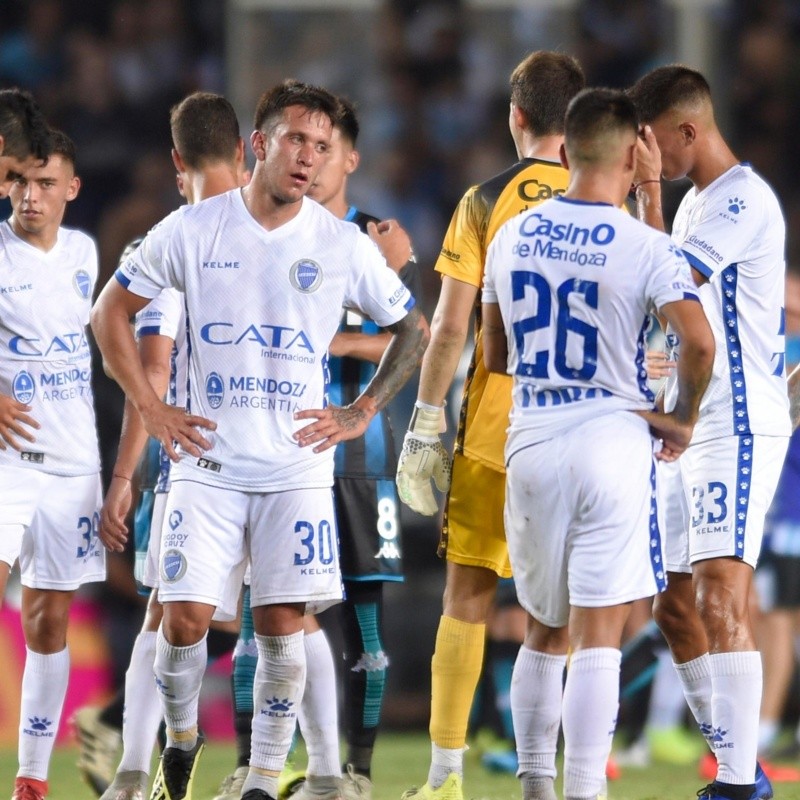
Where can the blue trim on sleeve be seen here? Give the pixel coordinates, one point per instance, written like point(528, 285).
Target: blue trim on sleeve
point(150, 330)
point(410, 303)
point(122, 278)
point(691, 296)
point(698, 264)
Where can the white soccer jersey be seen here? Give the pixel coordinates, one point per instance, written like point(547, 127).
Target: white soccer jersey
point(262, 308)
point(45, 299)
point(165, 315)
point(733, 232)
point(576, 283)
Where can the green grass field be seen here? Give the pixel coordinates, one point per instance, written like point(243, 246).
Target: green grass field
point(400, 761)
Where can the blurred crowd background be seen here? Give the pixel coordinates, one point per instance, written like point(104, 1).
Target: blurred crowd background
point(430, 80)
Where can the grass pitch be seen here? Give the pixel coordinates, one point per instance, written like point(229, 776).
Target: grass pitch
point(401, 759)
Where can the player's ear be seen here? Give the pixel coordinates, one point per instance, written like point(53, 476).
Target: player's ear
point(178, 161)
point(352, 161)
point(518, 117)
point(74, 188)
point(688, 132)
point(258, 141)
point(562, 154)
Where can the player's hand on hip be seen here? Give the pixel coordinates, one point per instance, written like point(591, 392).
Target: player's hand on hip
point(658, 365)
point(14, 422)
point(673, 433)
point(173, 426)
point(423, 459)
point(113, 530)
point(333, 424)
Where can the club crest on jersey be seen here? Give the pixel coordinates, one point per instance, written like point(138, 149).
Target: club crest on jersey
point(173, 566)
point(82, 283)
point(215, 390)
point(24, 387)
point(306, 275)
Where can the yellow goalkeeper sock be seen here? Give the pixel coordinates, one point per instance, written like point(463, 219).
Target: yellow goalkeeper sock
point(455, 670)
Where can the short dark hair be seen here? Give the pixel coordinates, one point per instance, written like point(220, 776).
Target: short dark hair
point(347, 121)
point(591, 115)
point(293, 93)
point(22, 125)
point(665, 88)
point(63, 146)
point(542, 86)
point(204, 128)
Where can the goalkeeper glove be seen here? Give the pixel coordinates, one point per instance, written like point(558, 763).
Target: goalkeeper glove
point(423, 457)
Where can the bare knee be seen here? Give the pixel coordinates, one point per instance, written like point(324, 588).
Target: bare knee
point(469, 592)
point(45, 616)
point(185, 624)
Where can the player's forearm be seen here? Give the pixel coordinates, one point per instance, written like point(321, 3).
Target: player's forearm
point(648, 204)
point(363, 346)
point(793, 383)
point(694, 373)
point(114, 337)
point(441, 361)
point(402, 357)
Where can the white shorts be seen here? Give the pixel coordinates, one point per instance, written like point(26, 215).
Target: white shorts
point(149, 576)
point(50, 522)
point(581, 519)
point(726, 487)
point(290, 538)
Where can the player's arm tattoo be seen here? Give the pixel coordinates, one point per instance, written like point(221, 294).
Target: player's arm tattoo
point(793, 383)
point(402, 357)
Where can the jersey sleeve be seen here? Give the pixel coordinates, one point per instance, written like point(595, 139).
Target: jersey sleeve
point(720, 237)
point(154, 264)
point(669, 278)
point(162, 316)
point(461, 256)
point(375, 288)
point(489, 292)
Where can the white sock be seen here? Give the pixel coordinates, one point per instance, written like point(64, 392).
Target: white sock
point(142, 714)
point(258, 780)
point(179, 675)
point(536, 708)
point(666, 697)
point(44, 687)
point(589, 716)
point(319, 721)
point(277, 692)
point(444, 760)
point(695, 677)
point(735, 704)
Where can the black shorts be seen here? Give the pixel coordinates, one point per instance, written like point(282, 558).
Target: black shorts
point(368, 521)
point(778, 581)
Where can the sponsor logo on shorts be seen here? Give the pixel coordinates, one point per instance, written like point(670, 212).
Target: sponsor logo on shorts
point(279, 708)
point(389, 551)
point(305, 275)
point(175, 519)
point(32, 458)
point(82, 283)
point(23, 387)
point(173, 566)
point(207, 463)
point(39, 727)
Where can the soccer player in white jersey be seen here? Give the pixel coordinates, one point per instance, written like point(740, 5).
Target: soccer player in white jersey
point(24, 136)
point(567, 294)
point(265, 274)
point(208, 154)
point(49, 459)
point(731, 229)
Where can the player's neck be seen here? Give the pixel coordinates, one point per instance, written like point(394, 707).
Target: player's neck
point(545, 148)
point(338, 205)
point(266, 208)
point(211, 181)
point(597, 187)
point(715, 158)
point(44, 240)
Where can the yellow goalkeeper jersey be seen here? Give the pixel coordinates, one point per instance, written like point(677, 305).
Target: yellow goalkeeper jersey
point(480, 213)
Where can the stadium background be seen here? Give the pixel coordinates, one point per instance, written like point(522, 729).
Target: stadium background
point(430, 83)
